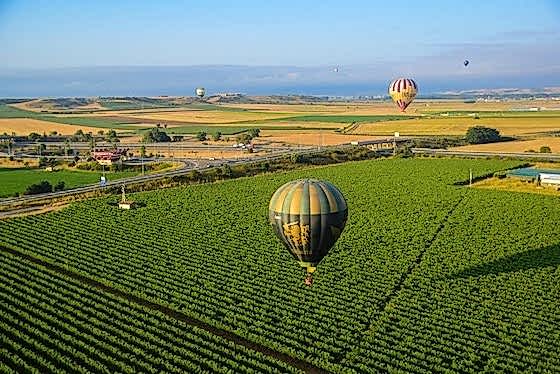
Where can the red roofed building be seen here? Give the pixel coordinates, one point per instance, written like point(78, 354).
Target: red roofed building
point(109, 157)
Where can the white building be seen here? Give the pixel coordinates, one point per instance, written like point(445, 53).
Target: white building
point(549, 179)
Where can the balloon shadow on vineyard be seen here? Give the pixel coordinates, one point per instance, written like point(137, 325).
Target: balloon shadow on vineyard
point(533, 259)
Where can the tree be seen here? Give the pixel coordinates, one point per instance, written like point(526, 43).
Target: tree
point(217, 136)
point(254, 132)
point(33, 136)
point(201, 135)
point(53, 133)
point(112, 136)
point(545, 149)
point(297, 158)
point(156, 135)
point(243, 138)
point(226, 171)
point(194, 175)
point(41, 187)
point(80, 136)
point(143, 151)
point(59, 186)
point(481, 134)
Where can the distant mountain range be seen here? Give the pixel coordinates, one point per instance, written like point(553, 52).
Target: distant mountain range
point(262, 80)
point(504, 92)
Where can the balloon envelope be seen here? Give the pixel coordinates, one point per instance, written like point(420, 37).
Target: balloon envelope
point(403, 91)
point(466, 62)
point(200, 91)
point(308, 216)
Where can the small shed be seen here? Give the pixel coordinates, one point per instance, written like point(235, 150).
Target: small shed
point(549, 179)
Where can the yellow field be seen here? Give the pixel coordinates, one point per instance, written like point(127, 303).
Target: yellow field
point(459, 126)
point(515, 146)
point(316, 109)
point(269, 115)
point(310, 138)
point(24, 126)
point(38, 105)
point(513, 184)
point(210, 116)
point(388, 108)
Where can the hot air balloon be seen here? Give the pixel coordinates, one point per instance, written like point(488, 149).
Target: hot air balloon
point(335, 69)
point(466, 62)
point(403, 91)
point(200, 91)
point(308, 216)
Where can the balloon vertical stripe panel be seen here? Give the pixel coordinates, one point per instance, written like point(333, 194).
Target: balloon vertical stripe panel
point(403, 91)
point(308, 216)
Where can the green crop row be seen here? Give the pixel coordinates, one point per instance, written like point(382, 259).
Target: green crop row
point(208, 251)
point(51, 323)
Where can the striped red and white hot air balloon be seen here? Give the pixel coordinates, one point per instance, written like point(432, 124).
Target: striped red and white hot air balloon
point(403, 91)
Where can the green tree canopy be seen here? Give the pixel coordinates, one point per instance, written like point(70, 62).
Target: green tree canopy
point(156, 135)
point(481, 134)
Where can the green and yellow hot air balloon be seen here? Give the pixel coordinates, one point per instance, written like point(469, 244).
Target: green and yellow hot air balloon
point(308, 216)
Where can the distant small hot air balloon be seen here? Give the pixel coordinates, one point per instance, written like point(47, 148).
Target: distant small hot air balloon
point(466, 62)
point(403, 91)
point(200, 91)
point(335, 69)
point(308, 216)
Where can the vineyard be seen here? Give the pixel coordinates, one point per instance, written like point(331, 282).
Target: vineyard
point(427, 277)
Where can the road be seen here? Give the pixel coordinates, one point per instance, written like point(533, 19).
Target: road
point(189, 166)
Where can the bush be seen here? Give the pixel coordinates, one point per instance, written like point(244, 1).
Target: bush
point(155, 135)
point(59, 186)
point(254, 133)
point(545, 149)
point(481, 135)
point(37, 188)
point(201, 135)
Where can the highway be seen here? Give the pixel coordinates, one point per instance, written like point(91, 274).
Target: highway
point(188, 167)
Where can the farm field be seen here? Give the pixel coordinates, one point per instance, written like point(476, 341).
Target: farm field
point(515, 146)
point(25, 126)
point(16, 180)
point(427, 276)
point(514, 184)
point(57, 323)
point(514, 125)
point(211, 116)
point(424, 117)
point(323, 138)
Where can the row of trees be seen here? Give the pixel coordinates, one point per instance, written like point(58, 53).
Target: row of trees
point(43, 187)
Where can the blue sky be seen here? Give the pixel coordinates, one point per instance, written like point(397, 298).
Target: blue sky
point(426, 39)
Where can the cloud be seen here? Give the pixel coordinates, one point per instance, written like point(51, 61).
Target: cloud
point(493, 65)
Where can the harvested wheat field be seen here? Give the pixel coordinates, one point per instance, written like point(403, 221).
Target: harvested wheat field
point(210, 116)
point(315, 138)
point(24, 126)
point(460, 125)
point(388, 108)
point(515, 146)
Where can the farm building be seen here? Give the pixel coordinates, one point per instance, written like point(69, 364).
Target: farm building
point(548, 179)
point(545, 177)
point(106, 157)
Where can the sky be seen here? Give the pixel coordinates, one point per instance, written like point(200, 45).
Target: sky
point(282, 44)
